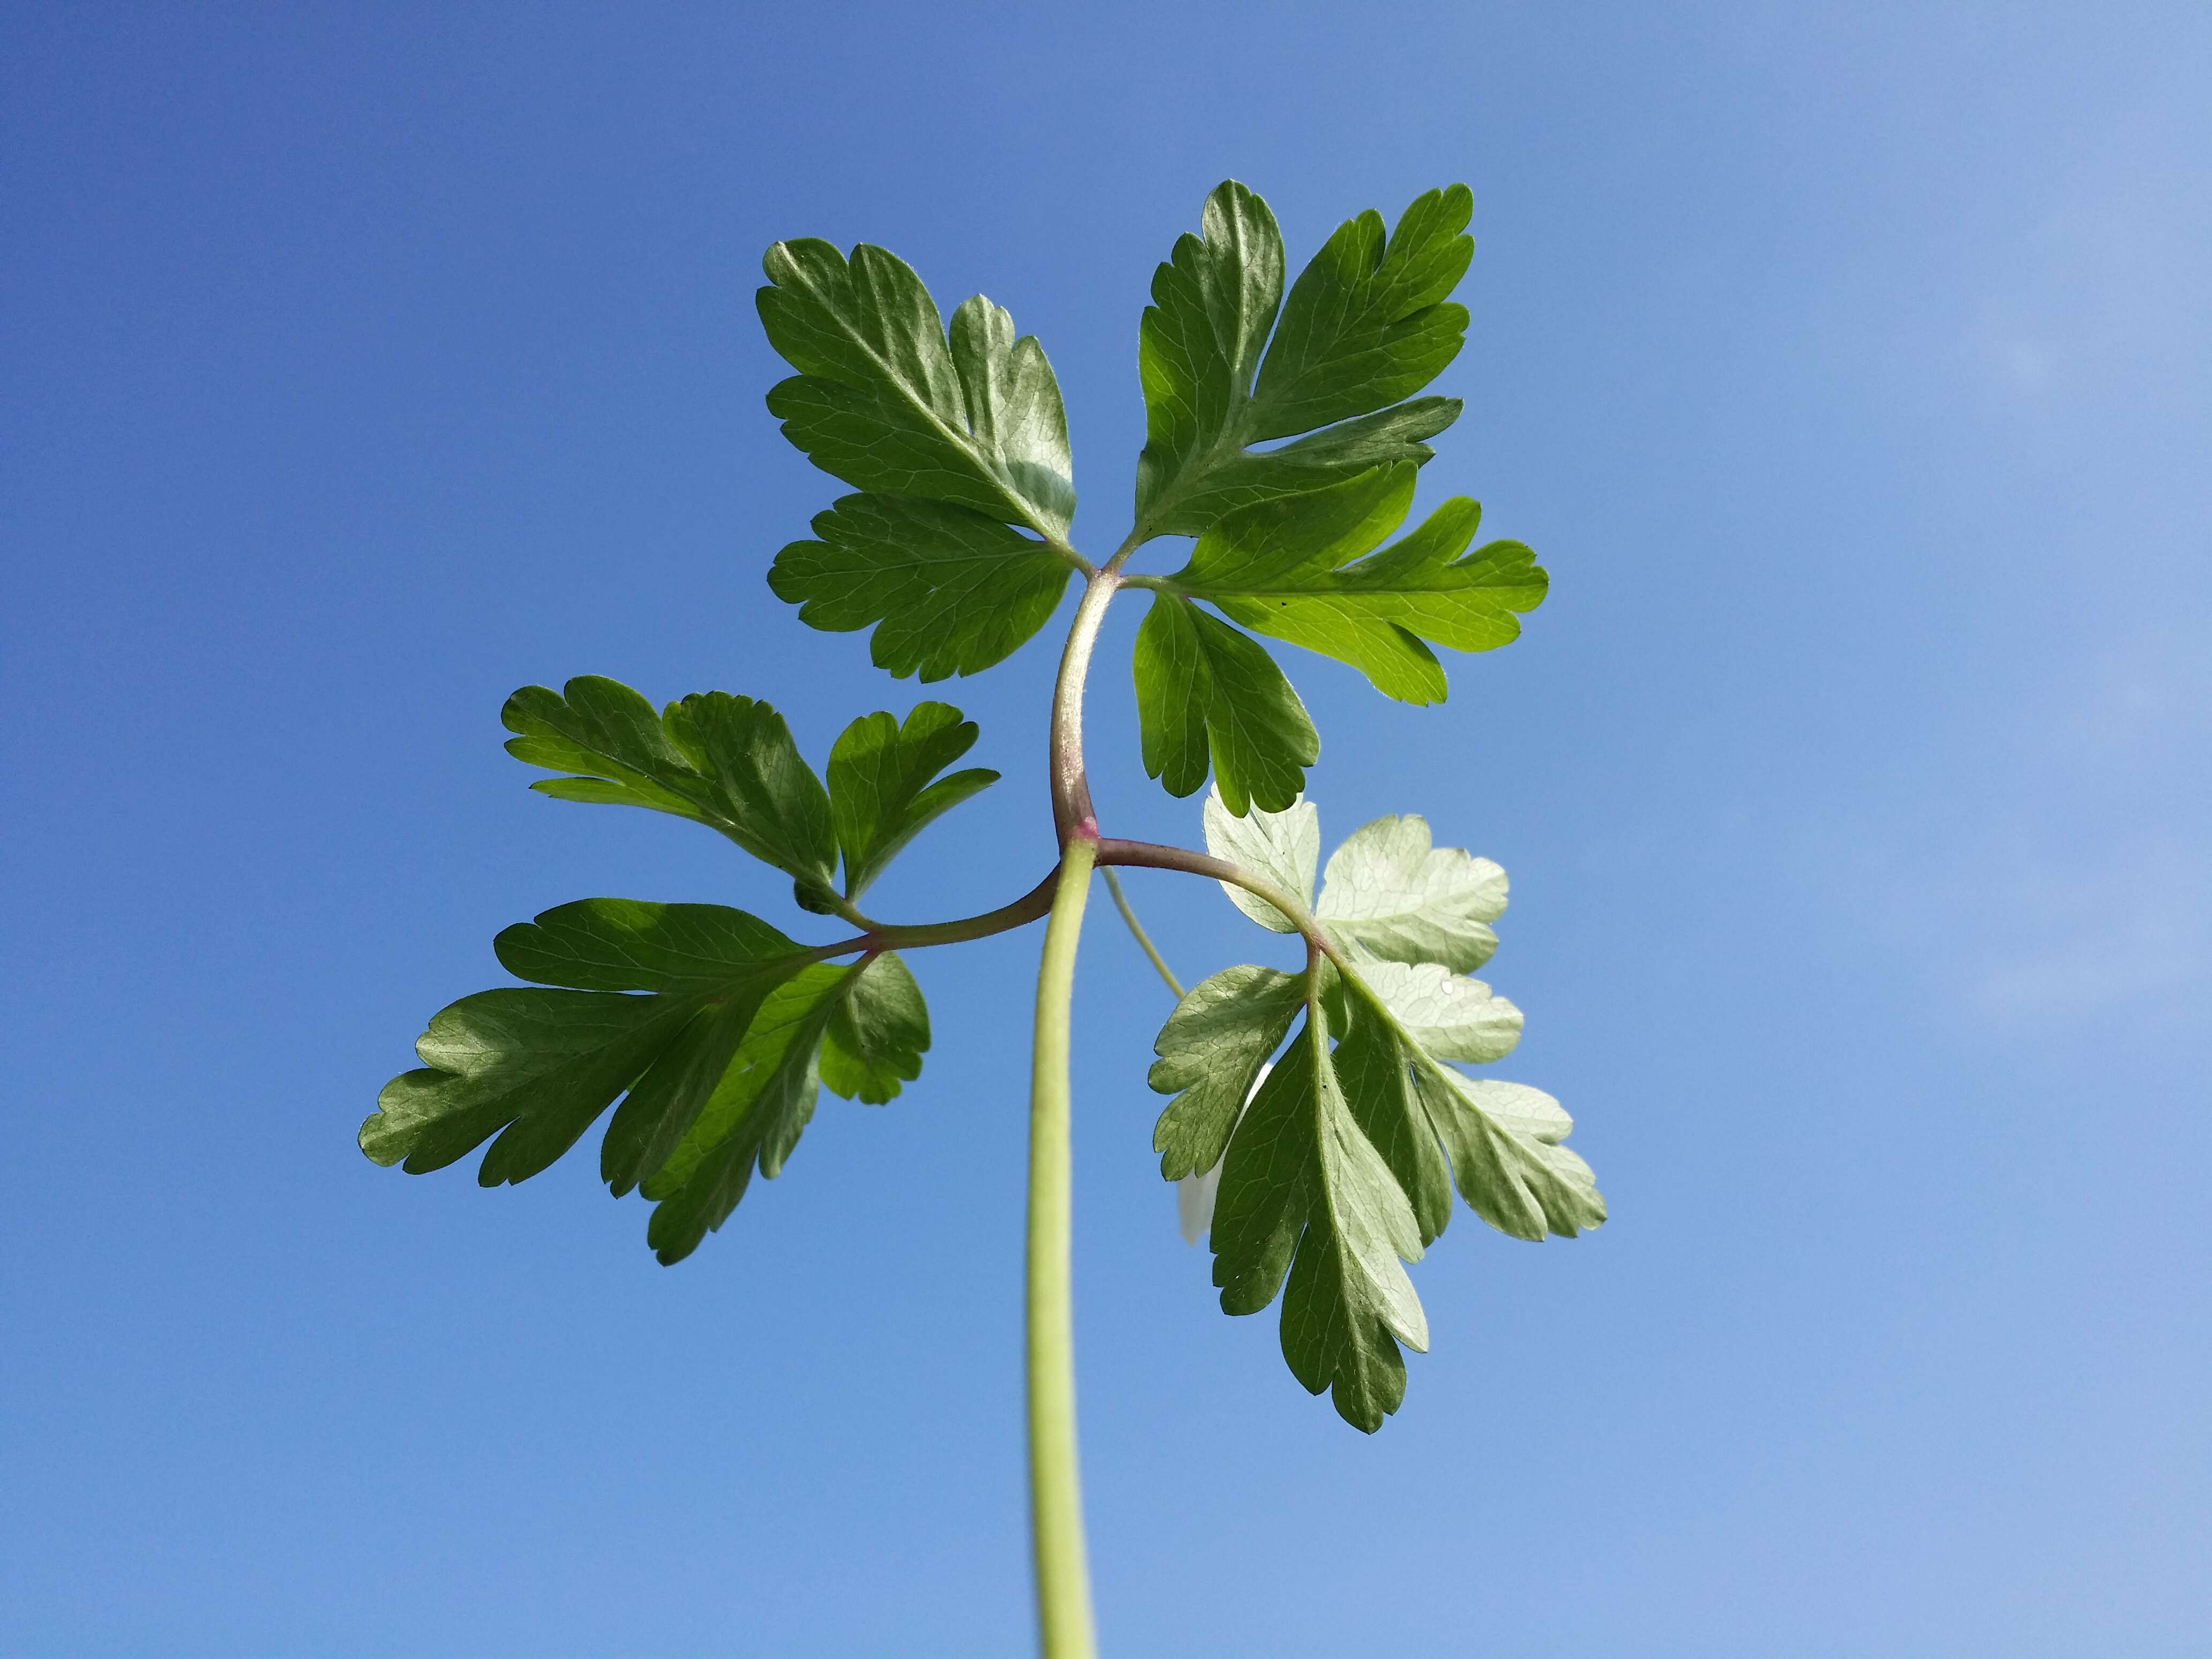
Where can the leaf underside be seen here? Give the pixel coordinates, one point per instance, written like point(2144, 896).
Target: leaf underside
point(1343, 1166)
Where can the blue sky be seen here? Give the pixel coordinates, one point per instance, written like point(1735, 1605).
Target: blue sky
point(1851, 371)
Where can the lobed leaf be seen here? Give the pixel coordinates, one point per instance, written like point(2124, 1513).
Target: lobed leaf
point(881, 792)
point(860, 1029)
point(1212, 1048)
point(1305, 1196)
point(730, 764)
point(1208, 696)
point(712, 1027)
point(535, 1066)
point(1344, 1164)
point(884, 400)
point(1305, 570)
point(948, 591)
point(1393, 895)
point(955, 438)
point(1365, 328)
point(1283, 848)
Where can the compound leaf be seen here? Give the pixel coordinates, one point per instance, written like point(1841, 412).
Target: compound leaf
point(535, 1066)
point(1343, 1165)
point(1197, 678)
point(1452, 1018)
point(959, 442)
point(1365, 327)
point(1305, 570)
point(881, 795)
point(728, 762)
point(1366, 323)
point(885, 401)
point(808, 1032)
point(1283, 847)
point(948, 591)
point(1305, 1194)
point(1393, 895)
point(1212, 1048)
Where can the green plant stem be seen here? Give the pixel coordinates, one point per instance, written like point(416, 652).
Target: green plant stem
point(888, 936)
point(1143, 939)
point(1063, 1573)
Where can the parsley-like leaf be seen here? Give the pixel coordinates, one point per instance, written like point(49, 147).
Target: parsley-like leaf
point(1365, 327)
point(881, 795)
point(1304, 1194)
point(860, 1030)
point(1211, 1049)
point(1283, 848)
point(1207, 694)
point(947, 590)
point(717, 1063)
point(1306, 570)
point(882, 400)
point(1395, 896)
point(728, 762)
point(537, 1067)
point(956, 440)
point(1344, 1164)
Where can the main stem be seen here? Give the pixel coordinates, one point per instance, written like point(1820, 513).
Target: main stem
point(1063, 1572)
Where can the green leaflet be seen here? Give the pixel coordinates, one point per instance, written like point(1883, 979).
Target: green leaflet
point(1305, 570)
point(1365, 327)
point(947, 590)
point(1304, 1194)
point(880, 793)
point(1208, 694)
point(721, 1054)
point(1452, 1018)
point(1283, 848)
point(860, 1029)
point(729, 762)
point(1345, 1163)
point(954, 439)
point(537, 1067)
point(1393, 896)
point(1210, 1050)
point(885, 401)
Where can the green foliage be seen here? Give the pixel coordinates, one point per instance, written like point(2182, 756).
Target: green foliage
point(1284, 431)
point(1283, 848)
point(1207, 694)
point(714, 1030)
point(882, 400)
point(730, 764)
point(948, 591)
point(1305, 570)
point(1366, 326)
point(953, 441)
point(1343, 1165)
point(1392, 896)
point(880, 793)
point(860, 1029)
